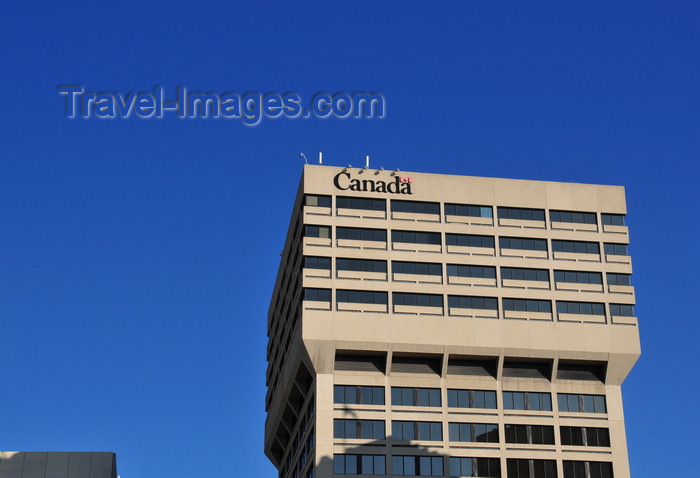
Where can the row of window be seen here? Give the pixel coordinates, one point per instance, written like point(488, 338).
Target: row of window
point(408, 465)
point(431, 397)
point(464, 270)
point(467, 302)
point(465, 240)
point(465, 210)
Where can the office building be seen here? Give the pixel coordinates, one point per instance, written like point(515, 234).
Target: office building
point(439, 325)
point(16, 464)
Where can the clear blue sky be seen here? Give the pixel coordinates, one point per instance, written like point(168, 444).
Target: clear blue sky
point(135, 269)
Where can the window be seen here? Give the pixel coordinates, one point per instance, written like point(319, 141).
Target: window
point(515, 273)
point(359, 464)
point(585, 436)
point(622, 310)
point(527, 305)
point(422, 268)
point(358, 394)
point(618, 279)
point(470, 302)
point(317, 231)
point(416, 397)
point(369, 429)
point(312, 262)
point(613, 219)
point(477, 467)
point(578, 247)
point(580, 308)
point(471, 398)
point(612, 249)
point(413, 237)
point(317, 295)
point(430, 431)
point(530, 434)
point(524, 468)
point(361, 296)
point(368, 204)
point(578, 277)
point(521, 213)
point(573, 216)
point(468, 210)
point(417, 466)
point(588, 469)
point(523, 243)
point(527, 401)
point(569, 402)
point(469, 240)
point(460, 270)
point(363, 265)
point(474, 432)
point(420, 300)
point(361, 234)
point(415, 207)
point(316, 200)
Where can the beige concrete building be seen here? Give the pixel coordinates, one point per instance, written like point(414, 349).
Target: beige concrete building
point(436, 325)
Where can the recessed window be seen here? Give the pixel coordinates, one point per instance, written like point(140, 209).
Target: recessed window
point(416, 397)
point(418, 207)
point(571, 402)
point(619, 279)
point(408, 430)
point(468, 210)
point(368, 204)
point(474, 432)
point(471, 302)
point(420, 268)
point(613, 219)
point(471, 398)
point(527, 401)
point(359, 464)
point(366, 429)
point(469, 240)
point(527, 305)
point(466, 466)
point(417, 465)
point(317, 295)
point(612, 249)
point(516, 273)
point(573, 216)
point(588, 469)
point(523, 214)
point(361, 296)
point(523, 243)
point(317, 231)
point(578, 277)
point(580, 308)
point(585, 436)
point(462, 270)
point(530, 434)
point(361, 234)
point(360, 265)
point(358, 394)
point(578, 247)
point(421, 300)
point(622, 310)
point(312, 262)
point(416, 237)
point(525, 468)
point(317, 200)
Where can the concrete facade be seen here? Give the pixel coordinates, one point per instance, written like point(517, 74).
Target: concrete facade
point(14, 464)
point(440, 288)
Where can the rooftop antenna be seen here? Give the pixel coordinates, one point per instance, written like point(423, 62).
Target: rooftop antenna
point(367, 162)
point(320, 157)
point(302, 155)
